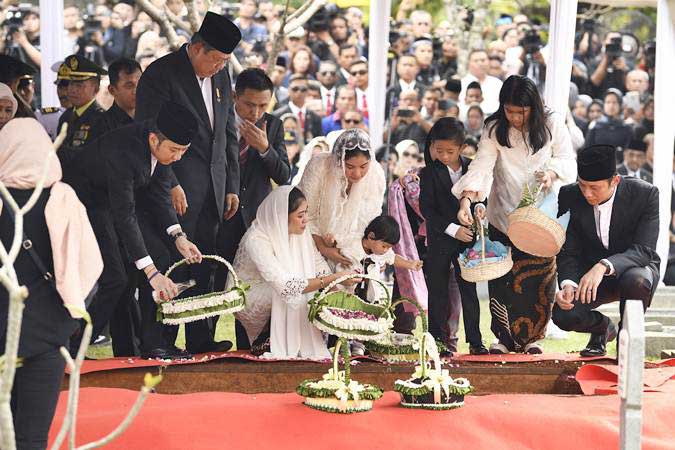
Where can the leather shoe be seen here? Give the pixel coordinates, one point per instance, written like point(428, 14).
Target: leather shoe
point(214, 347)
point(179, 353)
point(597, 344)
point(478, 349)
point(445, 354)
point(157, 353)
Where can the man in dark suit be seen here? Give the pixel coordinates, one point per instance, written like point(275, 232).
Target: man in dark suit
point(209, 174)
point(262, 160)
point(130, 176)
point(610, 249)
point(310, 122)
point(634, 157)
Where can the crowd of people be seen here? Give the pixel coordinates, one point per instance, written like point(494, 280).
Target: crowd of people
point(173, 155)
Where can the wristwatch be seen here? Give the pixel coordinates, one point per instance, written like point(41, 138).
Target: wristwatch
point(608, 267)
point(175, 236)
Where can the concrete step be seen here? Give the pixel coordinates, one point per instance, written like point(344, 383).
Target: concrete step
point(665, 317)
point(653, 326)
point(656, 342)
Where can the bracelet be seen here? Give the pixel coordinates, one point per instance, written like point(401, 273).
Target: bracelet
point(153, 275)
point(465, 197)
point(321, 281)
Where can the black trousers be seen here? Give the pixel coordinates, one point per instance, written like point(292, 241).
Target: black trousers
point(153, 333)
point(437, 271)
point(35, 393)
point(637, 283)
point(201, 226)
point(125, 324)
point(229, 236)
point(112, 284)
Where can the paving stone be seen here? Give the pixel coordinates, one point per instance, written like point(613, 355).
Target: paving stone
point(653, 326)
point(656, 342)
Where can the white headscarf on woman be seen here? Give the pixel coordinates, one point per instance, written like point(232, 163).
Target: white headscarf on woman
point(331, 209)
point(292, 263)
point(24, 148)
point(307, 154)
point(6, 93)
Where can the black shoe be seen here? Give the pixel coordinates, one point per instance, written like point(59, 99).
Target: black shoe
point(157, 353)
point(478, 349)
point(445, 354)
point(597, 344)
point(214, 347)
point(179, 353)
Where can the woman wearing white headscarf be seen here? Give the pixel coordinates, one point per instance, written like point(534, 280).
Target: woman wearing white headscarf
point(317, 145)
point(277, 257)
point(345, 192)
point(8, 105)
point(60, 233)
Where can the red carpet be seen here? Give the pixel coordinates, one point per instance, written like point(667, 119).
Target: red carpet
point(603, 380)
point(279, 421)
point(129, 363)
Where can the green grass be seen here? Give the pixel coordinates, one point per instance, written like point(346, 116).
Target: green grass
point(225, 330)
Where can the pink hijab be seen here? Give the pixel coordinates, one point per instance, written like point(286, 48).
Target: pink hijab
point(24, 148)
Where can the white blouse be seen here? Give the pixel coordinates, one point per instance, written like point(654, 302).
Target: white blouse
point(503, 171)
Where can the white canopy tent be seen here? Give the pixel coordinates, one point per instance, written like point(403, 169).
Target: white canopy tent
point(562, 26)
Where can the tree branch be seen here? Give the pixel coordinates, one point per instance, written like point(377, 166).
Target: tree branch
point(162, 19)
point(193, 15)
point(301, 19)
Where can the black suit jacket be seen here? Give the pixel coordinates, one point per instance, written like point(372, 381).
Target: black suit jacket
point(313, 126)
point(258, 172)
point(121, 170)
point(633, 231)
point(645, 174)
point(211, 162)
point(439, 207)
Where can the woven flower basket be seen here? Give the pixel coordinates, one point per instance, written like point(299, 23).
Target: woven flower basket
point(535, 233)
point(346, 315)
point(431, 388)
point(336, 392)
point(191, 309)
point(394, 348)
point(486, 271)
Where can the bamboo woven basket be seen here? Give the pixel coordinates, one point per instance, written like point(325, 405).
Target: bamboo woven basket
point(191, 309)
point(486, 271)
point(533, 232)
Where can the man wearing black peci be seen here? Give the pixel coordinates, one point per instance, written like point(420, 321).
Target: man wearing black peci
point(262, 160)
point(610, 248)
point(129, 175)
point(193, 76)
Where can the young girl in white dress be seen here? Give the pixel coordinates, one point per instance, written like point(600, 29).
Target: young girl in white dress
point(277, 257)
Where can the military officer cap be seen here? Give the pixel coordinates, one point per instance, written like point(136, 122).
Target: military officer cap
point(177, 123)
point(220, 32)
point(12, 68)
point(79, 68)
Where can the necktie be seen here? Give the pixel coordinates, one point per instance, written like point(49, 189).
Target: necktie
point(329, 103)
point(364, 105)
point(301, 118)
point(243, 151)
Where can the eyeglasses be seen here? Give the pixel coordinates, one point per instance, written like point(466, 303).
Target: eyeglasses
point(359, 72)
point(328, 73)
point(353, 121)
point(299, 89)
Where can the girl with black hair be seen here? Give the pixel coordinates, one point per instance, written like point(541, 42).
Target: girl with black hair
point(445, 238)
point(522, 144)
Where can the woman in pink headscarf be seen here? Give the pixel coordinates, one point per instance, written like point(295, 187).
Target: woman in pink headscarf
point(69, 264)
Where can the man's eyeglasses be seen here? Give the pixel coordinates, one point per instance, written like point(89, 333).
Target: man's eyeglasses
point(352, 121)
point(328, 73)
point(299, 89)
point(359, 72)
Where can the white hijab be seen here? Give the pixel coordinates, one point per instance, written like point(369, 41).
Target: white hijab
point(294, 252)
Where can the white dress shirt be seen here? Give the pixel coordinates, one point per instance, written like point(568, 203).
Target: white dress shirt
point(325, 92)
point(205, 85)
point(405, 87)
point(455, 175)
point(490, 87)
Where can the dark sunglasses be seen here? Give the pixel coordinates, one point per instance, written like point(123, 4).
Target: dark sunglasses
point(299, 89)
point(353, 121)
point(328, 73)
point(359, 72)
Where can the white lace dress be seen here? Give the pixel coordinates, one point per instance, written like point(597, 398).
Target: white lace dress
point(332, 211)
point(276, 294)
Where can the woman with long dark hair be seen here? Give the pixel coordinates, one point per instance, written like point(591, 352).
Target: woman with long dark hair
point(522, 144)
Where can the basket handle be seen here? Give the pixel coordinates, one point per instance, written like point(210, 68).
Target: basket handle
point(418, 307)
point(481, 236)
point(211, 257)
point(350, 276)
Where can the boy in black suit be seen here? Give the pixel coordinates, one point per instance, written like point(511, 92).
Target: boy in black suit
point(610, 249)
point(446, 239)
